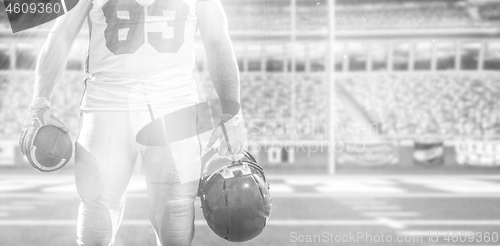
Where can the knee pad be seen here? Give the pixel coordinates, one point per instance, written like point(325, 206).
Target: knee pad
point(174, 222)
point(97, 224)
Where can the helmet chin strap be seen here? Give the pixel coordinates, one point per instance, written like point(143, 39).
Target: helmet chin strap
point(206, 157)
point(225, 118)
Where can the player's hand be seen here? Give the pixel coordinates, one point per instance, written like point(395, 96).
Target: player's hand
point(37, 117)
point(235, 129)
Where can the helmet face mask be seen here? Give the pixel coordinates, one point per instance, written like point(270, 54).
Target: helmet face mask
point(235, 198)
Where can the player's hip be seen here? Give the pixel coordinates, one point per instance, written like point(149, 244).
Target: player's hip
point(133, 95)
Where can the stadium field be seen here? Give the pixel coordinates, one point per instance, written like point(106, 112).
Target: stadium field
point(415, 84)
point(38, 209)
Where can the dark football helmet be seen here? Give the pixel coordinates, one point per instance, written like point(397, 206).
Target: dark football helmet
point(235, 198)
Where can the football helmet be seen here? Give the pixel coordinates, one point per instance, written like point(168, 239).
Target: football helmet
point(235, 197)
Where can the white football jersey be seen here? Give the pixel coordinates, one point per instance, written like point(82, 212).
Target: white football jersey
point(141, 51)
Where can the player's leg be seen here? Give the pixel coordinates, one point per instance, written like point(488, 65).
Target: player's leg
point(171, 208)
point(172, 176)
point(104, 160)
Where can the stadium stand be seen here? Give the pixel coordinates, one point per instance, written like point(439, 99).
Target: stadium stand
point(441, 104)
point(401, 104)
point(311, 103)
point(404, 104)
point(365, 15)
point(16, 92)
point(411, 104)
point(424, 16)
point(4, 83)
point(15, 101)
point(350, 15)
point(248, 16)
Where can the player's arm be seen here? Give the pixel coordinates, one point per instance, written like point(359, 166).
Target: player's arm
point(55, 52)
point(50, 65)
point(221, 60)
point(224, 72)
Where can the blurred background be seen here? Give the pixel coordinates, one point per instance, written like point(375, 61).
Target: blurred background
point(397, 131)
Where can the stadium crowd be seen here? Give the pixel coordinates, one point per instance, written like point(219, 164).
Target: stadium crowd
point(416, 104)
point(16, 91)
point(401, 104)
point(269, 98)
point(350, 15)
point(424, 16)
point(266, 99)
point(312, 15)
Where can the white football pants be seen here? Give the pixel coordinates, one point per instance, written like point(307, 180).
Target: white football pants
point(105, 154)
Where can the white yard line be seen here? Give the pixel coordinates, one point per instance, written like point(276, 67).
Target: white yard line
point(68, 177)
point(199, 222)
point(376, 207)
point(38, 195)
point(391, 214)
point(17, 207)
point(388, 195)
point(33, 202)
point(434, 233)
point(391, 223)
point(389, 176)
point(361, 201)
point(282, 222)
point(460, 244)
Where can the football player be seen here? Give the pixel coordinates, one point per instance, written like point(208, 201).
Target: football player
point(140, 66)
